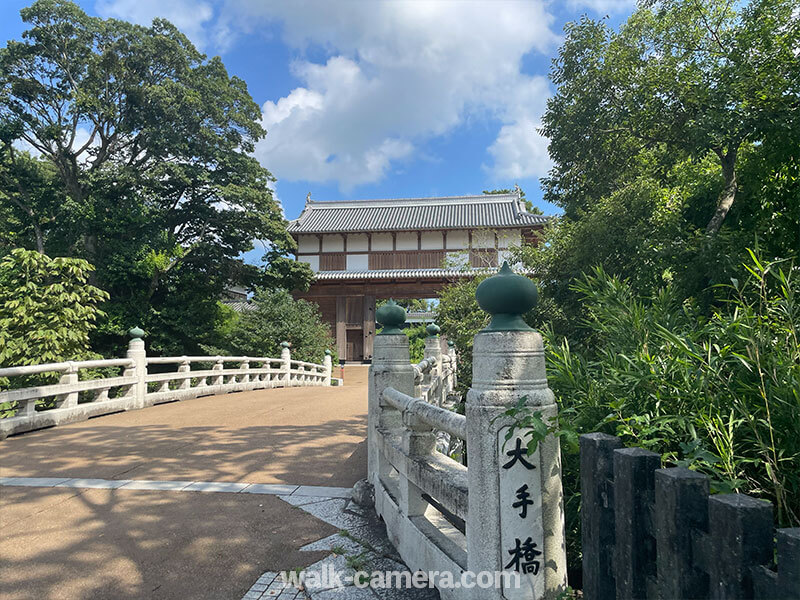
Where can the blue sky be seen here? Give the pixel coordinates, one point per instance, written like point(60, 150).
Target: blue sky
point(383, 99)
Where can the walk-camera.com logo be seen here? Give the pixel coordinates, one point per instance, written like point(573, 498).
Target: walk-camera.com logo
point(328, 577)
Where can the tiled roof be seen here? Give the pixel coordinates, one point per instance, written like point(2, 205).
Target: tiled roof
point(421, 316)
point(415, 214)
point(240, 305)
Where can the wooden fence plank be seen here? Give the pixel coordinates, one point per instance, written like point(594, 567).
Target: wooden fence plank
point(597, 515)
point(635, 556)
point(740, 533)
point(681, 509)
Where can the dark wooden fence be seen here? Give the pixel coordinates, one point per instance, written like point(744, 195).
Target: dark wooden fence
point(653, 533)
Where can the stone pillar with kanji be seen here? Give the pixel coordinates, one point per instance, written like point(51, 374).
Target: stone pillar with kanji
point(516, 513)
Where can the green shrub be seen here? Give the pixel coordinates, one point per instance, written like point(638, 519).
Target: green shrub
point(719, 394)
point(278, 317)
point(47, 308)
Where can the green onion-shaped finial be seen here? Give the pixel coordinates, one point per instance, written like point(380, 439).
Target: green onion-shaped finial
point(136, 333)
point(285, 344)
point(391, 317)
point(433, 330)
point(507, 296)
point(451, 344)
point(328, 353)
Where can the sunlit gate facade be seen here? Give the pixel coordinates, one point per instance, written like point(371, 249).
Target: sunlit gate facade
point(365, 250)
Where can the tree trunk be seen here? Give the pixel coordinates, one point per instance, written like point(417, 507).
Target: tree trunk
point(36, 228)
point(728, 193)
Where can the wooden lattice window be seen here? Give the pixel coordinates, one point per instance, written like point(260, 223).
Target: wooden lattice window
point(332, 261)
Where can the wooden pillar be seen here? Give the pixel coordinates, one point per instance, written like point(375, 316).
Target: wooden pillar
point(341, 328)
point(369, 326)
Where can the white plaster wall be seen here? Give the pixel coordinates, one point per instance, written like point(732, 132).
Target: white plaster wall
point(407, 240)
point(312, 261)
point(307, 243)
point(505, 255)
point(332, 243)
point(508, 237)
point(357, 262)
point(457, 240)
point(432, 240)
point(482, 239)
point(357, 241)
point(382, 241)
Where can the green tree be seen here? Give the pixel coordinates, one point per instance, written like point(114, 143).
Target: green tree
point(31, 201)
point(151, 144)
point(277, 318)
point(534, 210)
point(681, 78)
point(47, 308)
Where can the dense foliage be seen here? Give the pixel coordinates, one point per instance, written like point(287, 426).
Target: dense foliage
point(47, 308)
point(141, 163)
point(275, 318)
point(719, 393)
point(676, 146)
point(676, 142)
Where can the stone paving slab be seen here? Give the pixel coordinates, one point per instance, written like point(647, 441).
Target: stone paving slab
point(215, 486)
point(299, 494)
point(323, 491)
point(296, 500)
point(144, 484)
point(35, 481)
point(100, 484)
point(270, 488)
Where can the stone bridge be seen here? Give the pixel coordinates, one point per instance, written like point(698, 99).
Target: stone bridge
point(114, 507)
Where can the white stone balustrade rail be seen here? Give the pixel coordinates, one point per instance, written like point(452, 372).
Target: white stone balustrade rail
point(143, 382)
point(437, 418)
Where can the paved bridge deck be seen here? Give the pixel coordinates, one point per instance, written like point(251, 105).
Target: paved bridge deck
point(73, 542)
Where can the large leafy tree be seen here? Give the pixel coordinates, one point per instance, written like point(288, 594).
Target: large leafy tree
point(682, 78)
point(150, 146)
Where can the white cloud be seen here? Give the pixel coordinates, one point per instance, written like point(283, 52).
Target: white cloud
point(520, 151)
point(189, 16)
point(603, 7)
point(398, 73)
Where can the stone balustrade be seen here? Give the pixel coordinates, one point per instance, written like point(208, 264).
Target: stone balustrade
point(146, 381)
point(504, 514)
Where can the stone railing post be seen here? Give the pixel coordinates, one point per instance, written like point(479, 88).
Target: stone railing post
point(515, 518)
point(391, 367)
point(433, 349)
point(451, 350)
point(70, 399)
point(185, 367)
point(245, 366)
point(218, 366)
point(327, 362)
point(286, 357)
point(139, 370)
